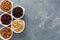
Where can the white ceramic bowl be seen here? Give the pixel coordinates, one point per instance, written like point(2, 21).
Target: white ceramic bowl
point(11, 4)
point(21, 30)
point(7, 38)
point(1, 21)
point(20, 7)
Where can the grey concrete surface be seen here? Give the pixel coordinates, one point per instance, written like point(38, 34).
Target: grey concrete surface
point(42, 19)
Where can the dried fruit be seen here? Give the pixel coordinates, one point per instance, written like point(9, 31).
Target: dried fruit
point(17, 12)
point(6, 19)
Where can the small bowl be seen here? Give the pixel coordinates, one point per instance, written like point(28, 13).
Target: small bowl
point(1, 21)
point(15, 28)
point(10, 2)
point(9, 37)
point(22, 9)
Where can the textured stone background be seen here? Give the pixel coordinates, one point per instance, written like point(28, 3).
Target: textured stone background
point(42, 19)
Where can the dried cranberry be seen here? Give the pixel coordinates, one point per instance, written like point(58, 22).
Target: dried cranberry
point(6, 19)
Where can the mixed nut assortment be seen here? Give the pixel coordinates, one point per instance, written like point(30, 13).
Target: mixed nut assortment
point(13, 18)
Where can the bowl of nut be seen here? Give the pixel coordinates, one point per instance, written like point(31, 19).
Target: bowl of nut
point(6, 5)
point(17, 26)
point(6, 33)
